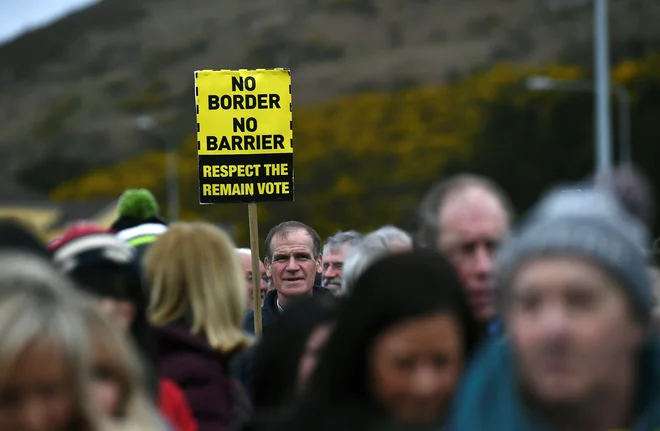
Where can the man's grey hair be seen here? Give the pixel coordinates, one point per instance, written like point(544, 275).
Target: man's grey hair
point(372, 248)
point(285, 228)
point(386, 236)
point(336, 241)
point(437, 195)
point(245, 251)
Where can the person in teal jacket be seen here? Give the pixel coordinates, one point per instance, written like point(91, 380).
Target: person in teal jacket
point(579, 351)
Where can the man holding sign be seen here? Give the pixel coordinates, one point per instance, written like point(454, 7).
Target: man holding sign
point(245, 143)
point(293, 258)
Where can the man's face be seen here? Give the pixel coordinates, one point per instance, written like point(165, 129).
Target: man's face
point(294, 266)
point(333, 265)
point(472, 223)
point(571, 328)
point(246, 261)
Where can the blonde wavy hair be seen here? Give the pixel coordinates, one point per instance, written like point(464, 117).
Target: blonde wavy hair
point(195, 276)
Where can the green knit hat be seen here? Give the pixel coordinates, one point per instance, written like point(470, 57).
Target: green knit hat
point(138, 203)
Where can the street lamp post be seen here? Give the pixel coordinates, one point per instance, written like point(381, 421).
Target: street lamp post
point(602, 86)
point(625, 134)
point(544, 83)
point(149, 126)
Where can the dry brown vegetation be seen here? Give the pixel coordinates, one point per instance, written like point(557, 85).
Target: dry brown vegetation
point(69, 93)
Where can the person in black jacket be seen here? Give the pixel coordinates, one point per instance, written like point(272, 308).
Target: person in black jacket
point(293, 261)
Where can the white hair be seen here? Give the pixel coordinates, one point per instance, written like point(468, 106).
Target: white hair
point(351, 237)
point(373, 247)
point(387, 236)
point(244, 251)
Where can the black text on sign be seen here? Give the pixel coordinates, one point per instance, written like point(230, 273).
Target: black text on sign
point(245, 140)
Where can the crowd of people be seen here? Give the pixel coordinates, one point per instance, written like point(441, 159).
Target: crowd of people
point(476, 321)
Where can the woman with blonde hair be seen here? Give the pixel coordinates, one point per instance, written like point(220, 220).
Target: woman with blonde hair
point(197, 304)
point(44, 353)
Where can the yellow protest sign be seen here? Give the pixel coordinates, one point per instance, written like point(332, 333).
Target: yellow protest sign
point(244, 135)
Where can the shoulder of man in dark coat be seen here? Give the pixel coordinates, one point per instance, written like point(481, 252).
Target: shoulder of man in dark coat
point(319, 290)
point(241, 364)
point(269, 310)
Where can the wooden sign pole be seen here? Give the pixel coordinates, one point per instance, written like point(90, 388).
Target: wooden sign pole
point(256, 272)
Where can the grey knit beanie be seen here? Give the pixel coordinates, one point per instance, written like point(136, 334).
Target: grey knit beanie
point(587, 223)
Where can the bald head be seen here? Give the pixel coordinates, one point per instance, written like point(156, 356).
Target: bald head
point(469, 206)
point(466, 218)
point(246, 262)
point(436, 198)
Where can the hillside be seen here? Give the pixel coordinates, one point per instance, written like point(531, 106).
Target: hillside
point(70, 92)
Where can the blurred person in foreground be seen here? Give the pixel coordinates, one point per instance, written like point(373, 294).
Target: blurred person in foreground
point(635, 192)
point(293, 259)
point(45, 363)
point(16, 235)
point(654, 269)
point(397, 351)
point(118, 376)
point(287, 355)
point(632, 188)
point(112, 380)
point(335, 250)
point(103, 266)
point(579, 353)
point(197, 303)
point(245, 255)
point(654, 272)
point(466, 217)
point(375, 245)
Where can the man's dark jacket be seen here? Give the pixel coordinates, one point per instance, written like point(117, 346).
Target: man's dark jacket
point(270, 312)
